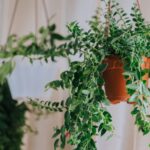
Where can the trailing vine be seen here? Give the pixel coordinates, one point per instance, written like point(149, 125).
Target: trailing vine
point(48, 106)
point(86, 115)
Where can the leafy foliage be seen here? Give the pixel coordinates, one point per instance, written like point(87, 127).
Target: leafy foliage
point(44, 45)
point(12, 120)
point(86, 115)
point(47, 105)
point(6, 68)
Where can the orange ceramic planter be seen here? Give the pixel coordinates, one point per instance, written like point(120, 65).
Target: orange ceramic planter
point(115, 83)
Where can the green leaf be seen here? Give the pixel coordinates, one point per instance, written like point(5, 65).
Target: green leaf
point(62, 103)
point(100, 127)
point(135, 111)
point(133, 97)
point(63, 141)
point(103, 131)
point(54, 84)
point(52, 27)
point(146, 91)
point(132, 86)
point(57, 36)
point(56, 144)
point(85, 92)
point(57, 132)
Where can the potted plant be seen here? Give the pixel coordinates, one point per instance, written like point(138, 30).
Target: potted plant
point(43, 48)
point(118, 43)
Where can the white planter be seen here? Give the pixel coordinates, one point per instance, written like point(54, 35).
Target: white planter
point(29, 80)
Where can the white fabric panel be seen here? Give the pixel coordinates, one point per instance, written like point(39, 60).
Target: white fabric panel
point(123, 138)
point(29, 80)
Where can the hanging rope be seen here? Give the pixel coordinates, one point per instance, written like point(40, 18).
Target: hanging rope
point(12, 18)
point(45, 11)
point(138, 4)
point(36, 19)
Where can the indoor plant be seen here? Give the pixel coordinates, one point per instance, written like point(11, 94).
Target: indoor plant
point(85, 113)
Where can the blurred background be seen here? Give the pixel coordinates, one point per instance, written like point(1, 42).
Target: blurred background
point(28, 80)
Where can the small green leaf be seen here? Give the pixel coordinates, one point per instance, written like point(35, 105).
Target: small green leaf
point(132, 86)
point(54, 84)
point(133, 97)
point(100, 127)
point(52, 27)
point(57, 132)
point(56, 144)
point(57, 36)
point(85, 92)
point(103, 131)
point(135, 111)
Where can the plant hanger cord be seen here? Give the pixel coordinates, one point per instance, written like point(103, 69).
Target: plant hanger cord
point(45, 11)
point(36, 15)
point(36, 19)
point(12, 18)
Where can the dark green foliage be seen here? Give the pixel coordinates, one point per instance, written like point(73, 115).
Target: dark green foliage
point(12, 120)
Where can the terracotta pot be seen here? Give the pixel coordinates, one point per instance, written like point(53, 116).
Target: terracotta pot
point(115, 83)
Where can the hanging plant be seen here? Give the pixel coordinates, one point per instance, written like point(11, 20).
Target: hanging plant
point(47, 44)
point(43, 46)
point(44, 43)
point(116, 44)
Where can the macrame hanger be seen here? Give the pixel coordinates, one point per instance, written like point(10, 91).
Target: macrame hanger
point(12, 18)
point(45, 12)
point(36, 19)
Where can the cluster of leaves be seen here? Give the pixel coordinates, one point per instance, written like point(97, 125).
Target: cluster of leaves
point(48, 106)
point(12, 120)
point(86, 115)
point(137, 86)
point(44, 45)
point(6, 68)
point(84, 118)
